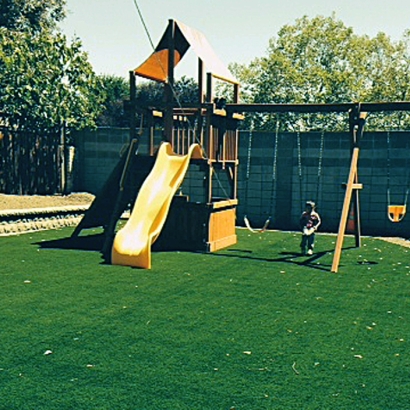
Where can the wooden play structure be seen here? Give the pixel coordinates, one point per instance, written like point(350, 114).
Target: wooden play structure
point(208, 225)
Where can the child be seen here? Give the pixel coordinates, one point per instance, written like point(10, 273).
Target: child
point(309, 222)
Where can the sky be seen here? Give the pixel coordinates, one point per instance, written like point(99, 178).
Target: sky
point(113, 34)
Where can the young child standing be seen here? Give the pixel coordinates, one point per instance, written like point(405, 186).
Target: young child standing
point(309, 222)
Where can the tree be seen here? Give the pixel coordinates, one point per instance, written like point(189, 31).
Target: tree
point(31, 14)
point(46, 83)
point(150, 93)
point(320, 60)
point(115, 92)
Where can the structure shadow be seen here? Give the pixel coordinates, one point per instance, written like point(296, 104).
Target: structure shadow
point(84, 243)
point(287, 257)
point(95, 243)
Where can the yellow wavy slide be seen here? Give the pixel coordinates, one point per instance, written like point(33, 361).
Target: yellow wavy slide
point(132, 244)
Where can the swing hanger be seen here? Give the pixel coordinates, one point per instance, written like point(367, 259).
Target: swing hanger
point(319, 167)
point(274, 171)
point(395, 212)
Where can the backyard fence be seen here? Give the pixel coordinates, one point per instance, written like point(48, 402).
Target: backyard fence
point(30, 163)
point(283, 172)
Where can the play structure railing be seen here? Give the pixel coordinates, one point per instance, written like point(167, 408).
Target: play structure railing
point(213, 129)
point(223, 145)
point(183, 135)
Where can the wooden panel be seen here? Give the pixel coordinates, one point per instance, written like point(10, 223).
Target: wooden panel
point(221, 224)
point(221, 230)
point(198, 227)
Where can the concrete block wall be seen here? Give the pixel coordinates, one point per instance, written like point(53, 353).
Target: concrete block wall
point(280, 194)
point(97, 153)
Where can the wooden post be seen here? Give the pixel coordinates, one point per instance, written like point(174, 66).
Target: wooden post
point(236, 93)
point(357, 122)
point(356, 210)
point(62, 161)
point(133, 119)
point(209, 87)
point(200, 82)
point(209, 148)
point(169, 85)
point(351, 185)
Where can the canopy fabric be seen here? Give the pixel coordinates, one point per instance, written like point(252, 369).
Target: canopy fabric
point(155, 67)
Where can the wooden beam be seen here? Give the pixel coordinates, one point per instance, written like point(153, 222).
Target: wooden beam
point(312, 108)
point(169, 85)
point(345, 210)
point(133, 99)
point(306, 108)
point(201, 94)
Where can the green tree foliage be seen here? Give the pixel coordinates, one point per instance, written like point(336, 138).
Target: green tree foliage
point(186, 91)
point(151, 94)
point(115, 91)
point(320, 60)
point(45, 81)
point(31, 14)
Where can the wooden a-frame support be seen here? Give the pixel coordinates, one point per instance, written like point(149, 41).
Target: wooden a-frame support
point(352, 187)
point(357, 122)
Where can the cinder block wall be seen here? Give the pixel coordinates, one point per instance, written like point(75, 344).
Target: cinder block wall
point(97, 153)
point(278, 188)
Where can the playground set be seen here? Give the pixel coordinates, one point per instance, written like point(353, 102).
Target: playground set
point(204, 136)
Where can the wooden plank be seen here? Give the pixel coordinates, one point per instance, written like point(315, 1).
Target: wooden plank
point(345, 210)
point(221, 225)
point(221, 243)
point(224, 203)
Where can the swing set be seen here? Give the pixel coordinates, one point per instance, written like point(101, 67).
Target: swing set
point(357, 120)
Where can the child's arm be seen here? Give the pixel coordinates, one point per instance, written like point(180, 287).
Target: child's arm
point(316, 221)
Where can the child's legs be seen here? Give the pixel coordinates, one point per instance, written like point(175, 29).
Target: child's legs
point(311, 241)
point(304, 241)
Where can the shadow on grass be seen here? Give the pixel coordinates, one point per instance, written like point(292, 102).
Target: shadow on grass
point(288, 257)
point(84, 243)
point(95, 243)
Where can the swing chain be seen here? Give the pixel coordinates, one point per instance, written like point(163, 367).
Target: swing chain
point(274, 167)
point(388, 167)
point(300, 165)
point(320, 161)
point(275, 152)
point(274, 171)
point(248, 160)
point(319, 169)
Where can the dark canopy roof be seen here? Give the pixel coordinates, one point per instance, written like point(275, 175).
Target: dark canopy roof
point(155, 67)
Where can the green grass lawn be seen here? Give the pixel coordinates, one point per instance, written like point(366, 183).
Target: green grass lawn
point(253, 327)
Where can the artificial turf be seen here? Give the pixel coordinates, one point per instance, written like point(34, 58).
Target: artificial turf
point(255, 326)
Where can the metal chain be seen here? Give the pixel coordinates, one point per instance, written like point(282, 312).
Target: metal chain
point(274, 167)
point(319, 169)
point(388, 167)
point(300, 165)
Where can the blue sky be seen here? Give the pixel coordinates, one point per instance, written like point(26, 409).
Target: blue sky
point(239, 31)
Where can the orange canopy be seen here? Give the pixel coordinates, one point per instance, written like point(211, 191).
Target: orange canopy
point(155, 67)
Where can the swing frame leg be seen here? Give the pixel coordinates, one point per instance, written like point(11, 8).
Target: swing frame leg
point(351, 186)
